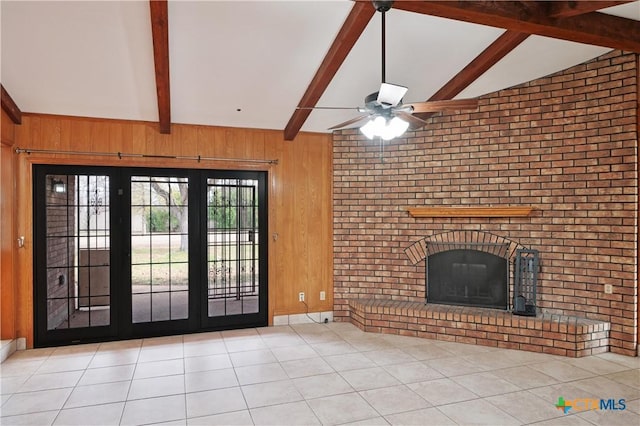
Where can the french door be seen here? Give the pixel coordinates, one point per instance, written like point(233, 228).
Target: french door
point(75, 253)
point(122, 252)
point(235, 248)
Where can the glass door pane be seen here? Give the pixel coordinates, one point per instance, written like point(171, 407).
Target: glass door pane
point(232, 247)
point(159, 248)
point(77, 250)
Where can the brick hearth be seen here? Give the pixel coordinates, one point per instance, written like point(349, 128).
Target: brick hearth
point(548, 333)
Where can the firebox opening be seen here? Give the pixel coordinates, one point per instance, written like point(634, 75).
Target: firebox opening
point(468, 277)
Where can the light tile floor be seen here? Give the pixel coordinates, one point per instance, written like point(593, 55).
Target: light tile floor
point(308, 374)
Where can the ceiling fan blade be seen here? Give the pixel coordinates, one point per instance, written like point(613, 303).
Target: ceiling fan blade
point(327, 107)
point(349, 123)
point(391, 94)
point(450, 105)
point(414, 122)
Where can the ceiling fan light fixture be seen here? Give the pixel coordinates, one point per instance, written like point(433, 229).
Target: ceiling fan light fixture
point(398, 125)
point(370, 128)
point(384, 129)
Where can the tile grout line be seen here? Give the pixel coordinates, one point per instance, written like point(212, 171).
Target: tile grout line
point(133, 375)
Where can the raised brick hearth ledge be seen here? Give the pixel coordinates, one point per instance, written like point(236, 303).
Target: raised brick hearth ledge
point(552, 334)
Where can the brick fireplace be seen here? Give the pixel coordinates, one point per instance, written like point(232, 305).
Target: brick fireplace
point(468, 268)
point(564, 145)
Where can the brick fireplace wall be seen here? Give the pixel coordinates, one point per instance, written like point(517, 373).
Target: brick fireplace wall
point(565, 144)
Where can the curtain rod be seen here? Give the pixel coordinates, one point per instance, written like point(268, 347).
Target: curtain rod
point(198, 158)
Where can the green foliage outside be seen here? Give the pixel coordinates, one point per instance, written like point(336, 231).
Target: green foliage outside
point(222, 211)
point(222, 217)
point(230, 207)
point(159, 220)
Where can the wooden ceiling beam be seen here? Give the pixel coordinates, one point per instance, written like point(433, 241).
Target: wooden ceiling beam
point(504, 44)
point(160, 34)
point(10, 107)
point(592, 28)
point(568, 8)
point(497, 50)
point(357, 20)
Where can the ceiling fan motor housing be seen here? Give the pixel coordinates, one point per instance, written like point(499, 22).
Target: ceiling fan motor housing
point(382, 5)
point(375, 108)
point(372, 105)
point(371, 100)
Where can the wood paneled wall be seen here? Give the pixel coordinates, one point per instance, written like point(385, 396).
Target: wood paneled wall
point(299, 193)
point(7, 231)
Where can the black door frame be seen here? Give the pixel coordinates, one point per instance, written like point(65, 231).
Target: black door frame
point(43, 336)
point(121, 326)
point(160, 328)
point(251, 320)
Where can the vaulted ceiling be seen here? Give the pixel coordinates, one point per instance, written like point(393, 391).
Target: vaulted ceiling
point(253, 63)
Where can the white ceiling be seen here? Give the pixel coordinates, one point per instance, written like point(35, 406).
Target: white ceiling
point(95, 58)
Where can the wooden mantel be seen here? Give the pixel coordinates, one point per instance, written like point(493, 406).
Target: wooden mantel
point(443, 211)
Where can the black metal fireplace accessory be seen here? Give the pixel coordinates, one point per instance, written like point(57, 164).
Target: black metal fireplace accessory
point(526, 281)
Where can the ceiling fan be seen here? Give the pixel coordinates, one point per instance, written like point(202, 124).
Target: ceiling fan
point(384, 114)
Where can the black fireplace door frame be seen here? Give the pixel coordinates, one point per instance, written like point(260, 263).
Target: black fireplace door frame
point(467, 265)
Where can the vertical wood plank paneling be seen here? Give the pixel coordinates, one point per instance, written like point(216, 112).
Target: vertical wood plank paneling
point(150, 147)
point(117, 138)
point(24, 227)
point(325, 220)
point(274, 150)
point(210, 142)
point(255, 146)
point(301, 228)
point(51, 133)
point(286, 295)
point(283, 292)
point(33, 134)
point(314, 236)
point(80, 141)
point(184, 138)
point(7, 235)
point(138, 139)
point(99, 135)
point(226, 147)
point(234, 143)
point(7, 231)
point(204, 148)
point(299, 194)
point(65, 135)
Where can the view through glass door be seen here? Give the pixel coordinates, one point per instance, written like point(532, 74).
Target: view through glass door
point(139, 252)
point(232, 241)
point(73, 255)
point(159, 248)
